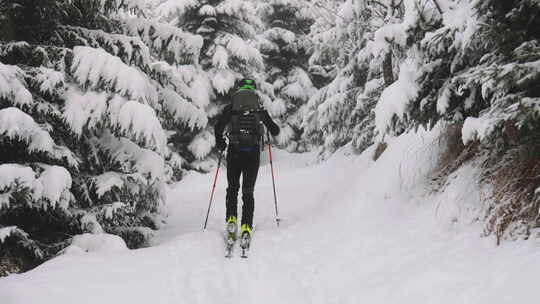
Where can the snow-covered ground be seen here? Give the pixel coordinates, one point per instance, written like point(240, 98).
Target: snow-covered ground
point(353, 231)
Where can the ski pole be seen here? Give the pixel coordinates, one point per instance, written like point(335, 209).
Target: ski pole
point(273, 178)
point(213, 189)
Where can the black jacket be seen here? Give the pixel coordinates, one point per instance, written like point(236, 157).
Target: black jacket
point(226, 117)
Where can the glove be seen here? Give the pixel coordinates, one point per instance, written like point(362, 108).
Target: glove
point(221, 145)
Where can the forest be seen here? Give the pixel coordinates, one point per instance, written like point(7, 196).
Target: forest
point(104, 104)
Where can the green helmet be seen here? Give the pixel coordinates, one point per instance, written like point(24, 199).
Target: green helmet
point(247, 84)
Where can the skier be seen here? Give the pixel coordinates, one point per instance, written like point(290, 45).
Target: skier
point(244, 118)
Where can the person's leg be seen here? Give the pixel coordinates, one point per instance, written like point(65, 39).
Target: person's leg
point(234, 169)
point(250, 169)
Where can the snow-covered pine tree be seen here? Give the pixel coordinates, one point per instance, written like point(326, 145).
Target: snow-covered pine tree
point(341, 112)
point(228, 53)
point(88, 89)
point(473, 64)
point(286, 47)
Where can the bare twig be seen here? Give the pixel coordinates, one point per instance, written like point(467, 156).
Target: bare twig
point(438, 6)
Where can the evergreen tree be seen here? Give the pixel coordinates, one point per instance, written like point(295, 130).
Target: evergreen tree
point(341, 112)
point(228, 53)
point(473, 64)
point(286, 47)
point(90, 91)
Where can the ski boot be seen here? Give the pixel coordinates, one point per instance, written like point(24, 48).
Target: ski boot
point(245, 239)
point(230, 236)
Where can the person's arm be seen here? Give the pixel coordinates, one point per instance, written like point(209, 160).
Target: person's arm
point(270, 124)
point(220, 125)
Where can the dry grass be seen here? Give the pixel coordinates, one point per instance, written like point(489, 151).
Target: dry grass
point(513, 172)
point(514, 178)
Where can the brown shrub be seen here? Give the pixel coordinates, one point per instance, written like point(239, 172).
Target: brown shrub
point(515, 176)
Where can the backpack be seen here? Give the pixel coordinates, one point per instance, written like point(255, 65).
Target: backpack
point(245, 124)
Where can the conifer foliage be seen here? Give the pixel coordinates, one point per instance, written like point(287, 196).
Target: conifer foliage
point(350, 73)
point(228, 53)
point(90, 92)
point(286, 47)
point(473, 64)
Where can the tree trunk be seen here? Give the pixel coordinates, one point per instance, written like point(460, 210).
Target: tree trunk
point(388, 73)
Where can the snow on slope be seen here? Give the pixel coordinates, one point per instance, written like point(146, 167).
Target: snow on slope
point(354, 231)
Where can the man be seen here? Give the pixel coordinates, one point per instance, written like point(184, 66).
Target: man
point(244, 117)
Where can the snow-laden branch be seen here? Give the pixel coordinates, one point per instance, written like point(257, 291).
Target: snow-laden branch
point(132, 50)
point(132, 159)
point(138, 120)
point(169, 42)
point(50, 188)
point(95, 68)
point(183, 111)
point(13, 86)
point(17, 125)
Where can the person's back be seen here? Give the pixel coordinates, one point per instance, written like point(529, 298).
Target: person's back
point(245, 117)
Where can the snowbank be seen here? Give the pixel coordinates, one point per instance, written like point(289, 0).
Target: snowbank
point(352, 230)
point(96, 243)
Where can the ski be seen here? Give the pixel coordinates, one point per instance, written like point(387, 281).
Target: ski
point(230, 239)
point(229, 249)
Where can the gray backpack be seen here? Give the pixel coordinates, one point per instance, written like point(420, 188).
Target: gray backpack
point(245, 125)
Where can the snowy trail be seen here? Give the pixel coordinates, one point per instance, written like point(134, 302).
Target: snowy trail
point(353, 232)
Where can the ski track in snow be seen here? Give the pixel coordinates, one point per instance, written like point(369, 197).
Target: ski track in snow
point(353, 231)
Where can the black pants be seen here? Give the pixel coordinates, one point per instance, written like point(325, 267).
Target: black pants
point(245, 163)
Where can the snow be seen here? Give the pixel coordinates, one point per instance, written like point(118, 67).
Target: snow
point(13, 86)
point(99, 243)
point(13, 177)
point(391, 33)
point(223, 81)
point(462, 15)
point(352, 230)
point(277, 33)
point(220, 59)
point(202, 144)
point(165, 37)
point(49, 80)
point(131, 157)
point(111, 209)
point(94, 67)
point(5, 232)
point(276, 107)
point(107, 181)
point(129, 49)
point(184, 111)
point(300, 85)
point(15, 124)
point(54, 184)
point(285, 135)
point(84, 109)
point(477, 128)
point(240, 9)
point(173, 8)
point(202, 90)
point(207, 10)
point(244, 51)
point(139, 120)
point(90, 223)
point(396, 97)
